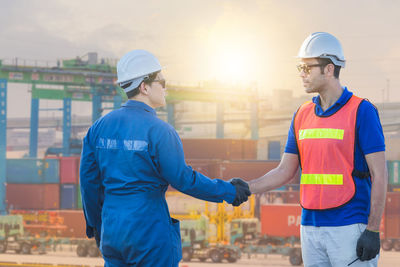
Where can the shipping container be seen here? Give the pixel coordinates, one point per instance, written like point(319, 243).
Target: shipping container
point(68, 193)
point(75, 223)
point(33, 196)
point(249, 149)
point(79, 197)
point(202, 166)
point(390, 225)
point(281, 220)
point(292, 197)
point(247, 170)
point(60, 223)
point(225, 149)
point(51, 171)
point(393, 188)
point(393, 170)
point(274, 150)
point(69, 170)
point(32, 171)
point(392, 203)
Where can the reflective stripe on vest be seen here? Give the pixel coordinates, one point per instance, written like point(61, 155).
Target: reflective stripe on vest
point(326, 179)
point(321, 133)
point(326, 151)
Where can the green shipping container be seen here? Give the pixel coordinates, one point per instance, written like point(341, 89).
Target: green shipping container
point(393, 169)
point(79, 205)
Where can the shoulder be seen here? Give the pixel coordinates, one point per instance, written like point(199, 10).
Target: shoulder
point(366, 108)
point(162, 129)
point(161, 125)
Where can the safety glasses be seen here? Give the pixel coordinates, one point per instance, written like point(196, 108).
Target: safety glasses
point(307, 68)
point(161, 81)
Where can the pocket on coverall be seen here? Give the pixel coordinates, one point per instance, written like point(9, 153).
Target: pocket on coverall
point(176, 238)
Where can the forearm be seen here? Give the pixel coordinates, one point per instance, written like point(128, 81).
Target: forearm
point(277, 177)
point(92, 191)
point(379, 178)
point(202, 187)
point(378, 198)
point(271, 180)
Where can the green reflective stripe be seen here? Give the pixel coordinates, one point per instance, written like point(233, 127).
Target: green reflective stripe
point(321, 133)
point(328, 179)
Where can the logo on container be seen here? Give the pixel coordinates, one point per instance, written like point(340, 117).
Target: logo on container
point(294, 220)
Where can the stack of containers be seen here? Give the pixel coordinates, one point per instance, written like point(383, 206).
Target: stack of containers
point(69, 183)
point(33, 184)
point(222, 149)
point(394, 179)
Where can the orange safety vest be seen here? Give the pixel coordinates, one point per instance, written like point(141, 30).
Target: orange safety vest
point(326, 151)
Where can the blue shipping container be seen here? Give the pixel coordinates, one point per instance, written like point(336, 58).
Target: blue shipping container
point(69, 198)
point(32, 171)
point(51, 171)
point(274, 150)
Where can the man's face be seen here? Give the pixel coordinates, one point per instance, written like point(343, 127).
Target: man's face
point(310, 72)
point(157, 91)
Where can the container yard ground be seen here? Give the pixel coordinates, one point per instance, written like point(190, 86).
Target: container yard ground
point(68, 257)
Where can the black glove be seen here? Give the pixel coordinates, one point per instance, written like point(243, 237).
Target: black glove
point(242, 191)
point(96, 237)
point(368, 245)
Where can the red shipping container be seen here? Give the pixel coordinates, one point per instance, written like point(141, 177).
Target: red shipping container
point(233, 149)
point(391, 218)
point(33, 196)
point(69, 170)
point(249, 149)
point(281, 220)
point(202, 165)
point(292, 197)
point(226, 149)
point(392, 227)
point(247, 170)
point(75, 222)
point(392, 203)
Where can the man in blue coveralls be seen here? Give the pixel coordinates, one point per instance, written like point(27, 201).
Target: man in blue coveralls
point(338, 141)
point(129, 158)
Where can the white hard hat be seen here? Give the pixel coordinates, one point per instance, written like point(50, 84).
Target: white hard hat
point(322, 45)
point(136, 64)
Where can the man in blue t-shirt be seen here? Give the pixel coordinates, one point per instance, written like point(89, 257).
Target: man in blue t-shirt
point(348, 233)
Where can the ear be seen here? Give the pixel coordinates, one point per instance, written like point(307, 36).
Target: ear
point(330, 69)
point(143, 88)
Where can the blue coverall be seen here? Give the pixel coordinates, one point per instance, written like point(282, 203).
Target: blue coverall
point(129, 158)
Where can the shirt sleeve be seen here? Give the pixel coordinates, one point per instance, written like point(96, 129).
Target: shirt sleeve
point(172, 167)
point(291, 145)
point(369, 129)
point(92, 191)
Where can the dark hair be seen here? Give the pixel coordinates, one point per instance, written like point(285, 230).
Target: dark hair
point(134, 92)
point(326, 61)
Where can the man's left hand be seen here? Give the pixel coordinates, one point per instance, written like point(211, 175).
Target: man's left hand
point(368, 245)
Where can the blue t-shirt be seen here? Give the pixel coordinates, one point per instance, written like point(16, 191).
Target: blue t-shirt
point(369, 139)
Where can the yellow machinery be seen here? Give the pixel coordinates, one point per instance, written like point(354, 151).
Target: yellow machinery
point(219, 214)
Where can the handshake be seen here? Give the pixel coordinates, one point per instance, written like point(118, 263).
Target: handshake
point(242, 191)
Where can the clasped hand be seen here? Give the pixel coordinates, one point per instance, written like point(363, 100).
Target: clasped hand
point(242, 191)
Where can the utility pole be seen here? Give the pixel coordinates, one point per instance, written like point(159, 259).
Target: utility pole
point(388, 89)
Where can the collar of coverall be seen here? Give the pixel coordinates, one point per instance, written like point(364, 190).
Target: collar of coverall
point(140, 105)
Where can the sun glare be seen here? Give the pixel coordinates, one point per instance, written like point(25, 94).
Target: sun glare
point(233, 62)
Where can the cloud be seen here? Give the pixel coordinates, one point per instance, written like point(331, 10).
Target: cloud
point(185, 35)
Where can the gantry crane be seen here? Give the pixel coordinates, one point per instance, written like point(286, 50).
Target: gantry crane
point(87, 80)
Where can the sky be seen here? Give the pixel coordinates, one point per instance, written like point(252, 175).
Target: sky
point(246, 42)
